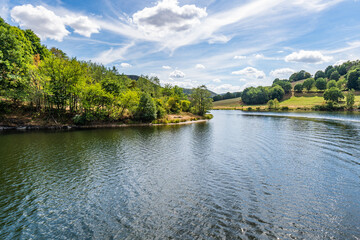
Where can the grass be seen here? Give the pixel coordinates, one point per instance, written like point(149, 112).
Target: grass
point(304, 101)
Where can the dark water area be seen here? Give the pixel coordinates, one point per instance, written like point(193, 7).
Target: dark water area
point(238, 176)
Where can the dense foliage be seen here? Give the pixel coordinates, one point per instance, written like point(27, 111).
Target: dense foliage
point(52, 83)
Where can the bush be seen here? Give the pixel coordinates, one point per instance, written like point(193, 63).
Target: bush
point(284, 108)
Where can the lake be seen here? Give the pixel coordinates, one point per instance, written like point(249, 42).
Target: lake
point(238, 176)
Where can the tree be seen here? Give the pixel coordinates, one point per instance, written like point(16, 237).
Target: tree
point(320, 83)
point(350, 99)
point(259, 95)
point(273, 104)
point(146, 111)
point(309, 83)
point(353, 79)
point(299, 76)
point(329, 70)
point(341, 69)
point(333, 94)
point(298, 88)
point(276, 92)
point(331, 84)
point(341, 84)
point(201, 100)
point(129, 101)
point(174, 104)
point(319, 74)
point(286, 85)
point(335, 75)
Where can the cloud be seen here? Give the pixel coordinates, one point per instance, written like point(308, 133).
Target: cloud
point(250, 72)
point(167, 16)
point(125, 65)
point(4, 9)
point(200, 66)
point(259, 56)
point(47, 24)
point(219, 39)
point(217, 80)
point(225, 88)
point(166, 67)
point(282, 72)
point(177, 74)
point(112, 54)
point(82, 25)
point(338, 63)
point(307, 57)
point(240, 57)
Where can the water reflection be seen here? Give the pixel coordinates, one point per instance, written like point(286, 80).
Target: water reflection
point(237, 176)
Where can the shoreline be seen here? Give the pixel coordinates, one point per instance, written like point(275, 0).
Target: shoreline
point(288, 110)
point(94, 126)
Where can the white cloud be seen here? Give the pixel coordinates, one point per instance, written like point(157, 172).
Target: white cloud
point(42, 21)
point(177, 74)
point(82, 25)
point(240, 57)
point(47, 24)
point(307, 57)
point(250, 72)
point(167, 16)
point(125, 65)
point(225, 88)
point(112, 55)
point(259, 56)
point(217, 80)
point(338, 63)
point(4, 9)
point(316, 5)
point(200, 66)
point(219, 39)
point(166, 67)
point(282, 72)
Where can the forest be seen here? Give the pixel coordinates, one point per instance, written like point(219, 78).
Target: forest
point(333, 82)
point(49, 83)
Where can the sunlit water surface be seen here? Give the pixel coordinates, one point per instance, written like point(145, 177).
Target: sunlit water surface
point(239, 176)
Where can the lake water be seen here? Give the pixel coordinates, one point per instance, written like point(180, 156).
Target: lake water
point(238, 176)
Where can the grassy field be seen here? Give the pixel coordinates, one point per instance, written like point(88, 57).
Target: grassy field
point(297, 102)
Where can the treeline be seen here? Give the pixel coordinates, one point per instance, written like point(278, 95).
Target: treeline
point(332, 81)
point(227, 95)
point(51, 82)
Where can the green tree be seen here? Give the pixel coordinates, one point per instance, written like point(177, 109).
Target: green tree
point(331, 84)
point(286, 85)
point(353, 79)
point(252, 95)
point(16, 55)
point(276, 92)
point(329, 70)
point(309, 83)
point(350, 99)
point(298, 88)
point(333, 94)
point(129, 101)
point(319, 74)
point(335, 75)
point(201, 100)
point(341, 84)
point(174, 105)
point(146, 111)
point(320, 83)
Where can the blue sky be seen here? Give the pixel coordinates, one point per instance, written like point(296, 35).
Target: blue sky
point(225, 44)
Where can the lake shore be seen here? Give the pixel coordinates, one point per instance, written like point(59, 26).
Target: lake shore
point(92, 126)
